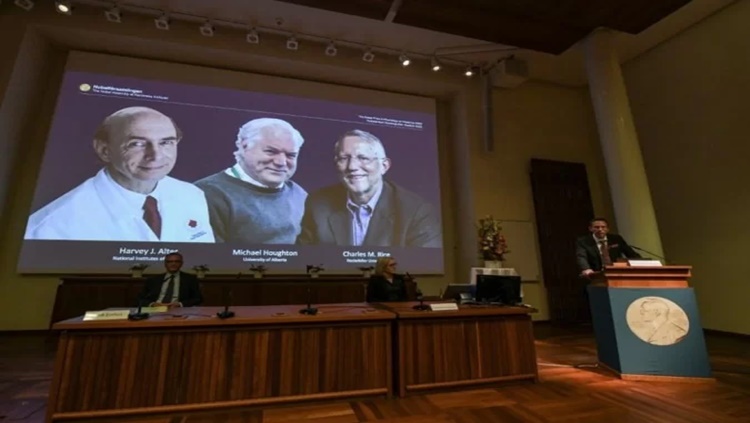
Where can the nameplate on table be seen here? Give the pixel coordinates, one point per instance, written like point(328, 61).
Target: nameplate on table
point(152, 310)
point(106, 315)
point(443, 307)
point(644, 263)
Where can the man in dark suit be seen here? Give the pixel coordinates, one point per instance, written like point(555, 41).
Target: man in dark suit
point(600, 248)
point(366, 210)
point(173, 288)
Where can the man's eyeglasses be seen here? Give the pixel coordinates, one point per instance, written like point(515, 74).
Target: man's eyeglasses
point(364, 160)
point(173, 261)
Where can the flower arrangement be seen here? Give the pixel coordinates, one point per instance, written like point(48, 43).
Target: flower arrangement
point(137, 269)
point(258, 268)
point(201, 268)
point(314, 269)
point(492, 244)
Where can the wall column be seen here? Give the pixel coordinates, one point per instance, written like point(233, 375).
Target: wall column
point(631, 196)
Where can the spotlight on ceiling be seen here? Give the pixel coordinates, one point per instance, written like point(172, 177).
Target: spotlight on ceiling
point(404, 59)
point(64, 7)
point(207, 30)
point(368, 56)
point(252, 37)
point(24, 4)
point(113, 15)
point(331, 49)
point(162, 22)
point(469, 72)
point(435, 64)
point(292, 43)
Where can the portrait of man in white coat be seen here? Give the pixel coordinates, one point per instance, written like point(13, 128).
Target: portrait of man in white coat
point(131, 198)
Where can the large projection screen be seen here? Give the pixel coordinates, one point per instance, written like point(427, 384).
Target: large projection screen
point(233, 170)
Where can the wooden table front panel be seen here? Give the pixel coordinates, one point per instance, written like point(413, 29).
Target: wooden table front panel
point(150, 369)
point(456, 351)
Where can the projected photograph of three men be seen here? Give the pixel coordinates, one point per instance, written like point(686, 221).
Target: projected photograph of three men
point(136, 168)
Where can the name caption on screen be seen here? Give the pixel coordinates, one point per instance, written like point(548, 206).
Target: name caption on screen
point(143, 254)
point(364, 256)
point(264, 256)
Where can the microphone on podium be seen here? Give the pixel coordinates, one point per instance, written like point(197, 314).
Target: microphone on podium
point(649, 253)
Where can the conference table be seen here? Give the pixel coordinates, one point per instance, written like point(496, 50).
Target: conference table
point(189, 359)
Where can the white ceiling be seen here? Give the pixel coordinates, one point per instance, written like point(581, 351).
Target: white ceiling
point(566, 69)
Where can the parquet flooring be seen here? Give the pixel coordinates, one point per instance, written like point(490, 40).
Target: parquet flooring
point(565, 393)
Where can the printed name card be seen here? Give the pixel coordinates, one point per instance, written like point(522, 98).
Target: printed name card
point(151, 310)
point(106, 315)
point(443, 307)
point(644, 263)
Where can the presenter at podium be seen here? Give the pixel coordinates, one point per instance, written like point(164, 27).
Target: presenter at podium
point(600, 248)
point(173, 288)
point(385, 284)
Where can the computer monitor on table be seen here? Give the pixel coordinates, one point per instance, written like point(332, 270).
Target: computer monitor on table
point(499, 289)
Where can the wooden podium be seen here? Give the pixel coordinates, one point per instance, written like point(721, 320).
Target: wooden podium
point(647, 324)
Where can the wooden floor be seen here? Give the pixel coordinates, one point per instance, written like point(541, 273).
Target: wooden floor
point(564, 394)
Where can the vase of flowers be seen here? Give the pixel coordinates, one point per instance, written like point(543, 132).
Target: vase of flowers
point(492, 244)
point(258, 271)
point(366, 271)
point(200, 270)
point(137, 269)
point(314, 271)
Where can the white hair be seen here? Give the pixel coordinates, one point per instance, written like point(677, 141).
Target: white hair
point(252, 132)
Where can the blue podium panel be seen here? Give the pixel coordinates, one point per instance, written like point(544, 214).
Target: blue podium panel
point(653, 332)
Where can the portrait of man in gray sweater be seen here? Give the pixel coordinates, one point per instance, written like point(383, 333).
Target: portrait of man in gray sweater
point(255, 201)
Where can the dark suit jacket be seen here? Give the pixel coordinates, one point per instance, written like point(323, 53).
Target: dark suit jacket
point(400, 219)
point(379, 289)
point(190, 290)
point(587, 252)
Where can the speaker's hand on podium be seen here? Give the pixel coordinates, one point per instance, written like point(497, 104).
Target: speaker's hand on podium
point(587, 273)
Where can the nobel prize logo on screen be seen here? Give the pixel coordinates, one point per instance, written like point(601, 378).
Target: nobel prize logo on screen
point(116, 91)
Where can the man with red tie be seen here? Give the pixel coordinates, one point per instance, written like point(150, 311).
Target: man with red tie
point(131, 198)
point(173, 288)
point(600, 248)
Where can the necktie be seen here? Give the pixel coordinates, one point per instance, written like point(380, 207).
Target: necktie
point(606, 259)
point(169, 293)
point(151, 215)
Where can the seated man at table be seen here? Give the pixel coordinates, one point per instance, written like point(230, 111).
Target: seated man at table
point(173, 288)
point(385, 285)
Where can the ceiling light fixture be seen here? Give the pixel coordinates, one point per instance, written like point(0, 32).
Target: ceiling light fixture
point(469, 72)
point(368, 56)
point(404, 59)
point(331, 49)
point(162, 22)
point(113, 15)
point(252, 37)
point(435, 64)
point(26, 5)
point(292, 43)
point(207, 30)
point(64, 7)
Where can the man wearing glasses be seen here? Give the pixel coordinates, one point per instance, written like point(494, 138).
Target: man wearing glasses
point(173, 288)
point(366, 210)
